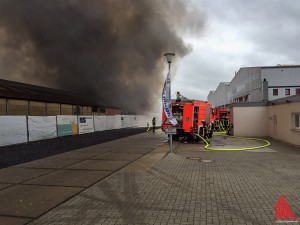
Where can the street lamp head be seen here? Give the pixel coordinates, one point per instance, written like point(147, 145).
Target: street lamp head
point(169, 57)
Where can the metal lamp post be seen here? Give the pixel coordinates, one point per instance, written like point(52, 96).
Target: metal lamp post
point(169, 57)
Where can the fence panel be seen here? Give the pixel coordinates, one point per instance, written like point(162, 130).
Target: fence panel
point(86, 124)
point(66, 125)
point(100, 123)
point(41, 127)
point(13, 130)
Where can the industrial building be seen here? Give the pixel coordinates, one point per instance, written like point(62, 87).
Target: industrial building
point(220, 96)
point(258, 84)
point(25, 99)
point(33, 113)
point(263, 102)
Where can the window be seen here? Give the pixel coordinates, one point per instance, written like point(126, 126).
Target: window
point(275, 92)
point(53, 109)
point(94, 109)
point(296, 121)
point(297, 91)
point(77, 110)
point(86, 110)
point(2, 106)
point(37, 108)
point(66, 109)
point(287, 91)
point(102, 110)
point(17, 107)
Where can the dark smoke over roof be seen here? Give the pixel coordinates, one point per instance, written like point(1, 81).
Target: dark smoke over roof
point(110, 50)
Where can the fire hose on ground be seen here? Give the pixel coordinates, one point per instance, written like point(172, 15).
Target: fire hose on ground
point(235, 149)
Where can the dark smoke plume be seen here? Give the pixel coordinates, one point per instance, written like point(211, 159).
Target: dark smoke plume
point(110, 50)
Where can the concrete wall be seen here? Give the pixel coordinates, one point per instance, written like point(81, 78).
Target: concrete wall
point(280, 122)
point(274, 119)
point(250, 121)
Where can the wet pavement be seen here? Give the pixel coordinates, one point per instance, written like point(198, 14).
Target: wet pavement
point(134, 181)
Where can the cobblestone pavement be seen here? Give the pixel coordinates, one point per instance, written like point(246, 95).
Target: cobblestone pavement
point(193, 186)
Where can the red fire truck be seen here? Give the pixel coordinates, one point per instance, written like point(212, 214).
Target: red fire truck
point(221, 113)
point(192, 117)
point(221, 119)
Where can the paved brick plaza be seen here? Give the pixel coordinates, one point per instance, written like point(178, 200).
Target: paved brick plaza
point(235, 188)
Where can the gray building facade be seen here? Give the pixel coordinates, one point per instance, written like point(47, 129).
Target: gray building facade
point(256, 84)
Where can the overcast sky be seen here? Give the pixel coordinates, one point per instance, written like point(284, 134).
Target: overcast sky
point(237, 34)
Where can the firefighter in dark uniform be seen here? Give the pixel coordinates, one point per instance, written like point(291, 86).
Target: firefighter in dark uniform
point(226, 125)
point(205, 131)
point(153, 124)
point(211, 129)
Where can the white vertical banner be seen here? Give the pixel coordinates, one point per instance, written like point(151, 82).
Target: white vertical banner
point(166, 100)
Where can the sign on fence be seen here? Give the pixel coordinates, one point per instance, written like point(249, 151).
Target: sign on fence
point(67, 125)
point(85, 124)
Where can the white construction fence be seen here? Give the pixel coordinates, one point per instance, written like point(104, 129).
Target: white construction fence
point(21, 129)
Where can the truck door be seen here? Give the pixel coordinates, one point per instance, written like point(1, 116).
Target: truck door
point(196, 115)
point(187, 122)
point(207, 114)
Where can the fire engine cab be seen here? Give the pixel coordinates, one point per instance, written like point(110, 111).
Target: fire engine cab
point(193, 117)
